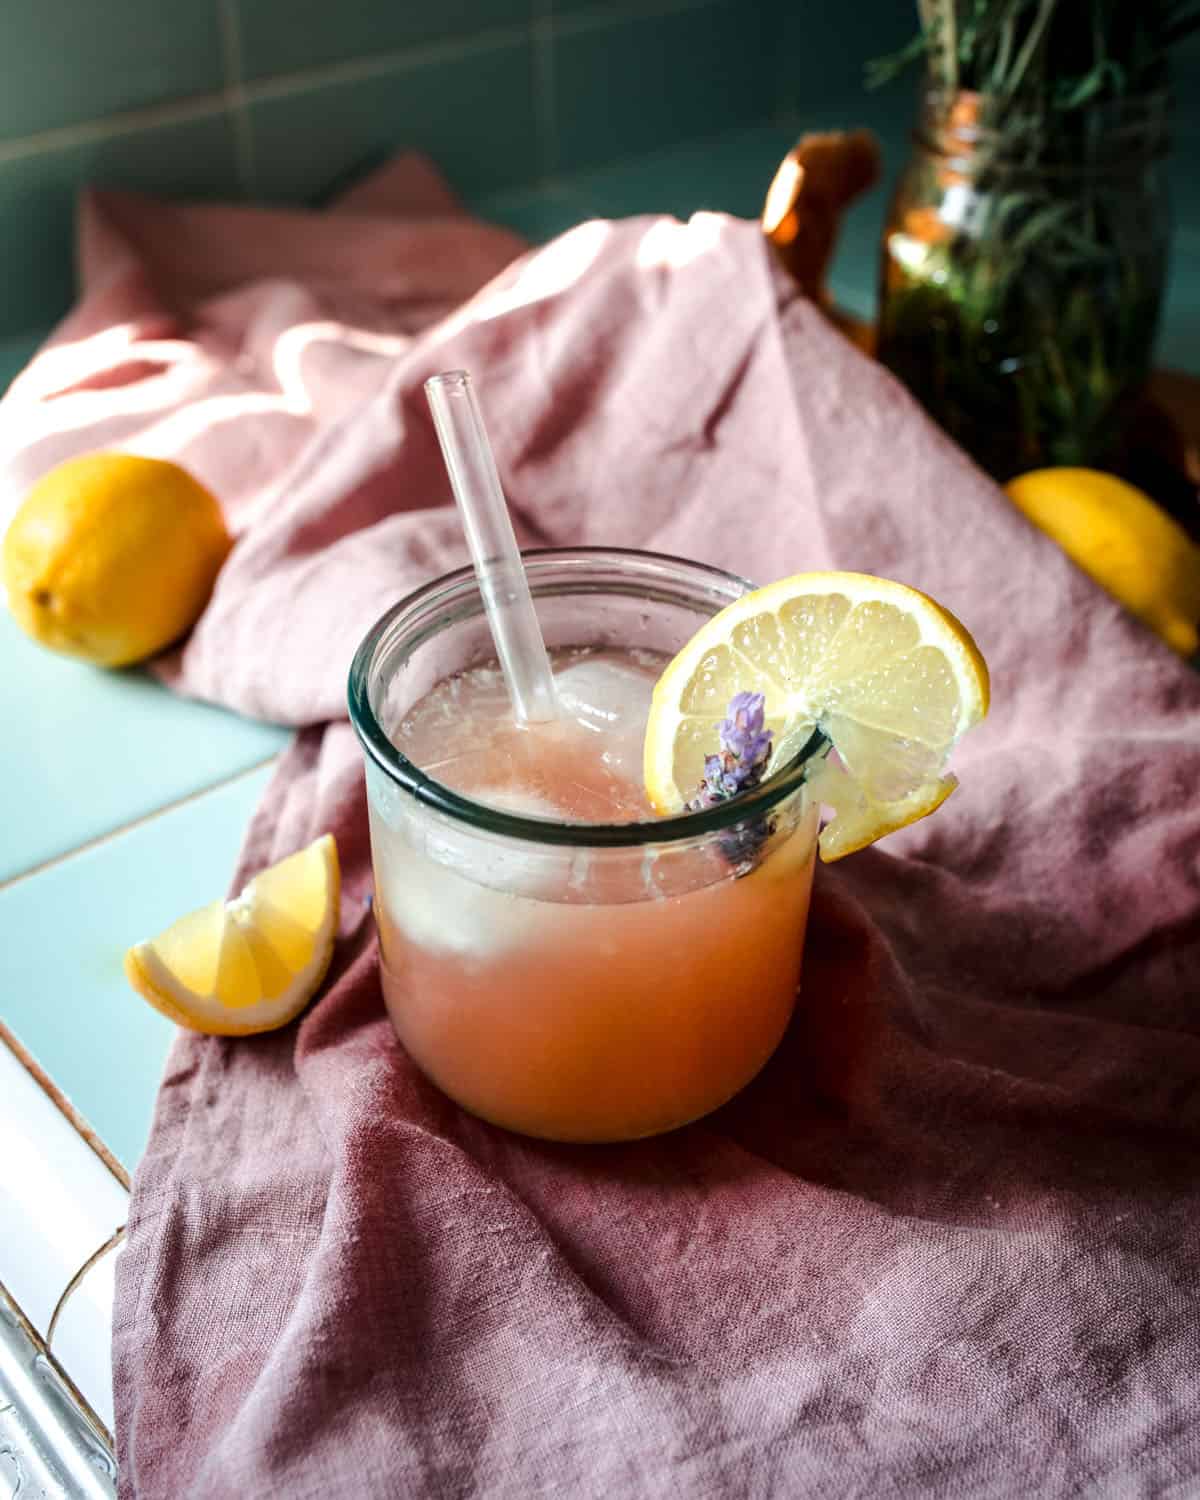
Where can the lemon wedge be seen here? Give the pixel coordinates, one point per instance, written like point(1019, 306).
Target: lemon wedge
point(250, 964)
point(891, 678)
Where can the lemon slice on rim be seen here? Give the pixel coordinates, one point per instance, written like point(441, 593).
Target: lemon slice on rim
point(250, 964)
point(891, 678)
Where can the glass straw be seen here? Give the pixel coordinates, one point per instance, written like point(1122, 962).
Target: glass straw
point(493, 546)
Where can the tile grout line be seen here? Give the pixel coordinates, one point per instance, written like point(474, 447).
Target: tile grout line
point(235, 97)
point(197, 106)
point(77, 1122)
point(116, 833)
point(235, 93)
point(397, 59)
point(64, 137)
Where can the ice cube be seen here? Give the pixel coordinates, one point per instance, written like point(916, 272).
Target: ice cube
point(443, 911)
point(610, 698)
point(456, 889)
point(517, 800)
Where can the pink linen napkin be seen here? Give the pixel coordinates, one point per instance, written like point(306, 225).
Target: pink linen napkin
point(947, 1243)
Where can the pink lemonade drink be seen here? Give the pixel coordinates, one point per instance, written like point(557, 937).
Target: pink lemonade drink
point(554, 957)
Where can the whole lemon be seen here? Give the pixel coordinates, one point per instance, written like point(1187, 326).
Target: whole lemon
point(111, 557)
point(1126, 542)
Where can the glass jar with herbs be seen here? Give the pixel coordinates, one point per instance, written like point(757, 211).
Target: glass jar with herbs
point(1025, 252)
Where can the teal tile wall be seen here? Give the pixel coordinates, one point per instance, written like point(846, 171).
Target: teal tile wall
point(1179, 341)
point(620, 90)
point(293, 35)
point(348, 124)
point(68, 61)
point(821, 54)
point(1185, 177)
point(193, 157)
point(286, 99)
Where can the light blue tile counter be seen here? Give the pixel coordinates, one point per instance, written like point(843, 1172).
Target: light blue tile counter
point(167, 786)
point(63, 936)
point(97, 750)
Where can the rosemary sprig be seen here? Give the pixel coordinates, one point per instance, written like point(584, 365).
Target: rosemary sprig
point(1066, 53)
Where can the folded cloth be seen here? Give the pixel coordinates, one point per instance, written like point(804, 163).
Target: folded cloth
point(947, 1243)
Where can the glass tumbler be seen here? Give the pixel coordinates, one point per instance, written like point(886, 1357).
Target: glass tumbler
point(577, 981)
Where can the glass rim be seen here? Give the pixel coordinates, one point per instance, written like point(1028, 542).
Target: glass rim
point(675, 828)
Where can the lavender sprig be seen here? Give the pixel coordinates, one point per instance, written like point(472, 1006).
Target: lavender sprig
point(745, 750)
point(741, 764)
